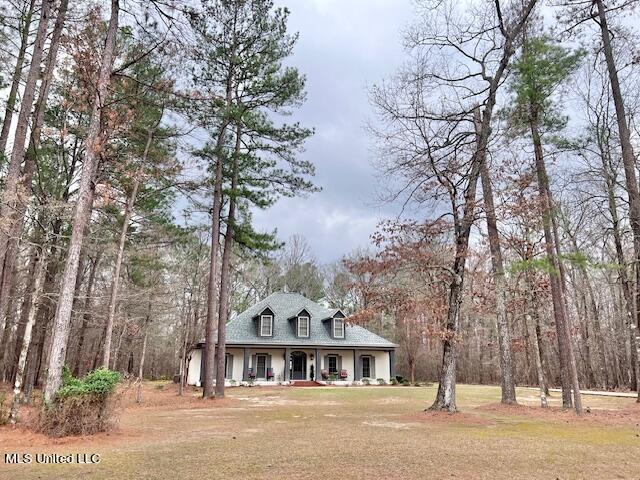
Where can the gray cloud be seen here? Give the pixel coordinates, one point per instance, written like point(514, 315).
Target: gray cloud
point(344, 47)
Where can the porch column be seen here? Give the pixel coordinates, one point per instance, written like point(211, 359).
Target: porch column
point(317, 372)
point(356, 365)
point(245, 363)
point(202, 367)
point(392, 364)
point(287, 362)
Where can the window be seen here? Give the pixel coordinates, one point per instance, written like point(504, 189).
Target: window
point(366, 367)
point(266, 325)
point(227, 366)
point(303, 326)
point(261, 366)
point(338, 328)
point(333, 365)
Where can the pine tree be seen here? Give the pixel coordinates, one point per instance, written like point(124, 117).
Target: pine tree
point(539, 71)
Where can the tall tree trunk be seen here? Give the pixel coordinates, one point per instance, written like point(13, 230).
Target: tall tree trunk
point(212, 304)
point(16, 226)
point(143, 353)
point(537, 347)
point(446, 396)
point(35, 350)
point(185, 345)
point(10, 326)
point(610, 181)
point(115, 281)
point(116, 351)
point(82, 212)
point(46, 307)
point(507, 380)
point(568, 368)
point(5, 287)
point(24, 28)
point(225, 272)
point(87, 313)
point(39, 273)
point(628, 157)
point(597, 327)
point(12, 362)
point(11, 194)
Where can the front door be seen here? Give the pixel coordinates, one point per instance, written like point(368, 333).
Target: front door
point(298, 366)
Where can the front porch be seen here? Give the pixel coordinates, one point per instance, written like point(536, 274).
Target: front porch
point(267, 365)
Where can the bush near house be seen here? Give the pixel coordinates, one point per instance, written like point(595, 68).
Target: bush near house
point(82, 406)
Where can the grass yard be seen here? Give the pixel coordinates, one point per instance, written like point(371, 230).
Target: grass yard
point(357, 432)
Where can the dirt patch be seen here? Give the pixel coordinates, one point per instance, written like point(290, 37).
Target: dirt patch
point(394, 425)
point(167, 395)
point(391, 401)
point(457, 418)
point(153, 399)
point(25, 438)
point(269, 401)
point(629, 416)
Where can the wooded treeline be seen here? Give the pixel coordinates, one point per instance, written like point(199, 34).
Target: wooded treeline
point(139, 136)
point(510, 133)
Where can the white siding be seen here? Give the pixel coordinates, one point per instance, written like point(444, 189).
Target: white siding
point(238, 360)
point(347, 361)
point(193, 372)
point(382, 364)
point(193, 376)
point(278, 363)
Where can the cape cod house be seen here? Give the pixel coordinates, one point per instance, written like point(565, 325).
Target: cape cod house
point(287, 337)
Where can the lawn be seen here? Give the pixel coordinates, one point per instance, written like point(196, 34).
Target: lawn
point(356, 432)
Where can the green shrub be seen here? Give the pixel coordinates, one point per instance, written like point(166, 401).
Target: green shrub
point(366, 381)
point(100, 382)
point(394, 381)
point(381, 381)
point(405, 382)
point(82, 406)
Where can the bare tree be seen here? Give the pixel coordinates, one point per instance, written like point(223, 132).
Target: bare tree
point(431, 128)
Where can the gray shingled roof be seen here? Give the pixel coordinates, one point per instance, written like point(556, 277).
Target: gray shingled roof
point(242, 330)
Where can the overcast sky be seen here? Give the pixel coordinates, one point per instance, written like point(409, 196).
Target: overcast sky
point(345, 46)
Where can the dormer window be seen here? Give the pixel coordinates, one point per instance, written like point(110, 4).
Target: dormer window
point(266, 325)
point(303, 326)
point(338, 328)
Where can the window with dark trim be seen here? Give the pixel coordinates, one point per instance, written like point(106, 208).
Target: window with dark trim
point(366, 367)
point(227, 366)
point(303, 327)
point(266, 325)
point(338, 328)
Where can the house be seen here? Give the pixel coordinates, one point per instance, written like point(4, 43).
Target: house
point(287, 337)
